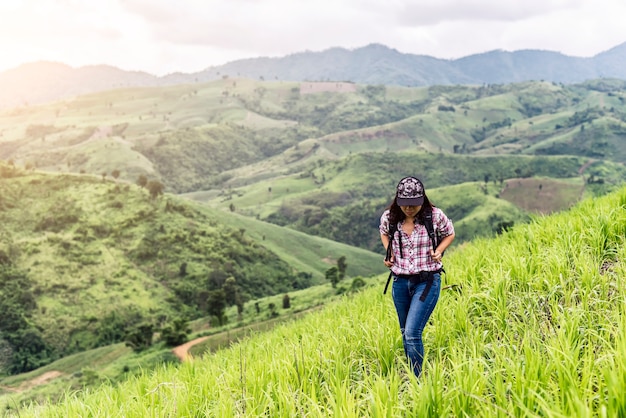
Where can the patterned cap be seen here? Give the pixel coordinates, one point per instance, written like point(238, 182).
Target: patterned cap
point(410, 192)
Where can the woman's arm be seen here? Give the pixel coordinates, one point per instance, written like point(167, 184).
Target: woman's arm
point(385, 240)
point(445, 243)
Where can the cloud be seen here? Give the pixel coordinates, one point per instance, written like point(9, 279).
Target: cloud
point(271, 27)
point(163, 35)
point(428, 13)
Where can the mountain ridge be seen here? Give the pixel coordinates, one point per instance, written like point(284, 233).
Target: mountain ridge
point(44, 81)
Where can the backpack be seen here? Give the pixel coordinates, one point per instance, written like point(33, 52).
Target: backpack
point(434, 239)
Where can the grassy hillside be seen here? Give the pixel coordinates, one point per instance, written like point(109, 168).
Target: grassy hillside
point(343, 200)
point(188, 135)
point(117, 362)
point(535, 327)
point(214, 141)
point(87, 261)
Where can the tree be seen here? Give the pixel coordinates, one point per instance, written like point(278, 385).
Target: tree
point(357, 284)
point(286, 302)
point(341, 267)
point(216, 304)
point(272, 308)
point(26, 345)
point(231, 290)
point(155, 188)
point(175, 332)
point(115, 174)
point(332, 275)
point(142, 180)
point(140, 337)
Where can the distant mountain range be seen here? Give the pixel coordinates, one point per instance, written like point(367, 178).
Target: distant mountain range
point(42, 82)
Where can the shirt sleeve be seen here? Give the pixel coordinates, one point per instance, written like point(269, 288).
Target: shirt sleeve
point(384, 223)
point(443, 224)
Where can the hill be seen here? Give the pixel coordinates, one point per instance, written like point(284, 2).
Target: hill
point(307, 154)
point(374, 64)
point(535, 313)
point(86, 262)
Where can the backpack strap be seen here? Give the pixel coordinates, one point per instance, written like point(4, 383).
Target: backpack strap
point(434, 238)
point(428, 223)
point(388, 280)
point(430, 228)
point(393, 228)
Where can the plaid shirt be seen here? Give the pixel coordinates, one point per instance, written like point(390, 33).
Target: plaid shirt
point(416, 247)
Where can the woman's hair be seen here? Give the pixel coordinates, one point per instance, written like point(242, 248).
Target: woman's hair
point(396, 215)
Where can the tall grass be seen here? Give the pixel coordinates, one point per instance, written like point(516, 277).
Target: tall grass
point(537, 327)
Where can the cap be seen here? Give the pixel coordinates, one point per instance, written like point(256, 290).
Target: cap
point(410, 192)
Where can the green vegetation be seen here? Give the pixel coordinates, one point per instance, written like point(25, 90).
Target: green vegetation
point(205, 136)
point(87, 262)
point(531, 324)
point(117, 362)
point(322, 157)
point(281, 187)
point(343, 200)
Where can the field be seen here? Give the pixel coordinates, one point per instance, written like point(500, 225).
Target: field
point(534, 327)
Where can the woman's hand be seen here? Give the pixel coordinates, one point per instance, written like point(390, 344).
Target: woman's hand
point(389, 262)
point(436, 255)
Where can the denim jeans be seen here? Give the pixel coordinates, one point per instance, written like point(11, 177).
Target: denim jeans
point(413, 315)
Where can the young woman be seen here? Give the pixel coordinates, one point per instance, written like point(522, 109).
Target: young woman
point(414, 260)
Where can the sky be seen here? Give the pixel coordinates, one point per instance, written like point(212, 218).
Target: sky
point(166, 36)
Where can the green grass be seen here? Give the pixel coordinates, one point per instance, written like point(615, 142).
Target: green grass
point(91, 247)
point(536, 328)
point(115, 363)
point(229, 141)
point(306, 252)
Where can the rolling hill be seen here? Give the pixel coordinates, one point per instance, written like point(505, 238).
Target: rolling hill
point(310, 155)
point(267, 184)
point(84, 261)
point(531, 324)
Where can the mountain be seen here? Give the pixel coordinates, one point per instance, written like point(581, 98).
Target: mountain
point(372, 64)
point(49, 81)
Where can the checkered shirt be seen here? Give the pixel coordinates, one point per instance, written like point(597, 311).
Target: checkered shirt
point(416, 247)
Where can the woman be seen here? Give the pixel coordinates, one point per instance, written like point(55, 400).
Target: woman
point(414, 258)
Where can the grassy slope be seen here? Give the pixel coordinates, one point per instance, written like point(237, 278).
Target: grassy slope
point(171, 131)
point(537, 329)
point(307, 252)
point(357, 188)
point(205, 139)
point(92, 246)
point(116, 363)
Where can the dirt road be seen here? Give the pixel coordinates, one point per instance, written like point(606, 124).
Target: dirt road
point(182, 351)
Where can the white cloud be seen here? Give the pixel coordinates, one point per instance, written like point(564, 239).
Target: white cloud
point(163, 36)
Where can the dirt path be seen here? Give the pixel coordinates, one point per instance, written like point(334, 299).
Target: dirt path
point(582, 169)
point(182, 351)
point(29, 384)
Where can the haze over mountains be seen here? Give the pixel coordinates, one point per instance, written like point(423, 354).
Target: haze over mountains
point(375, 64)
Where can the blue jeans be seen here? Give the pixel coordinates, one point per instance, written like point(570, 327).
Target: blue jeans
point(413, 315)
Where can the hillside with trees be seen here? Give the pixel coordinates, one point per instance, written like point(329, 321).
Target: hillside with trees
point(529, 323)
point(87, 262)
point(304, 155)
